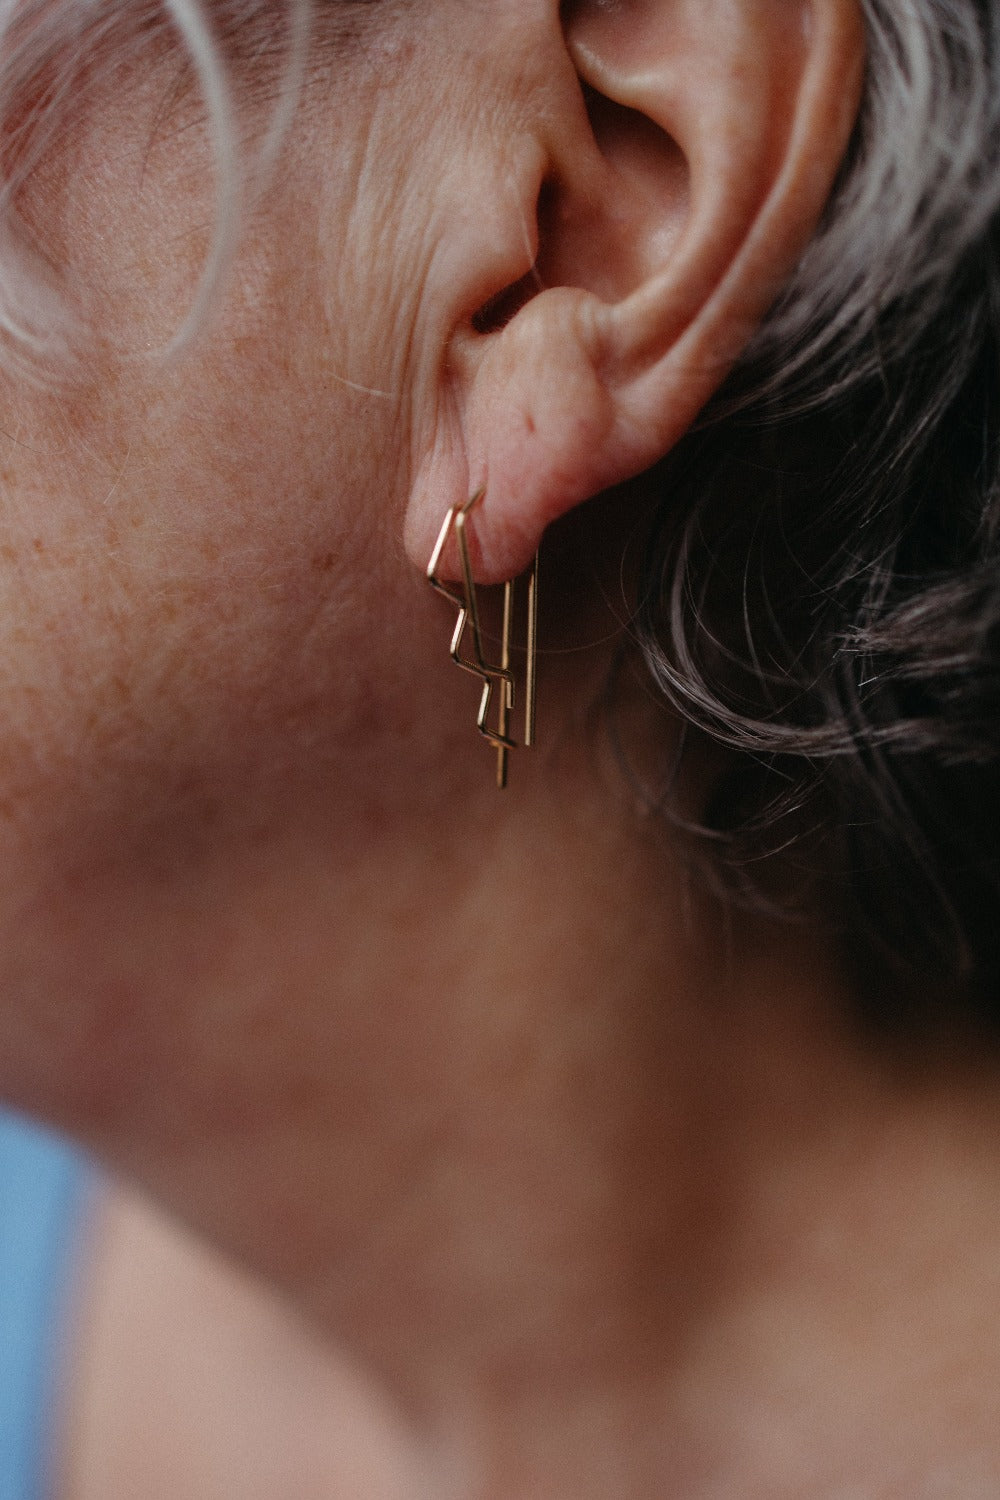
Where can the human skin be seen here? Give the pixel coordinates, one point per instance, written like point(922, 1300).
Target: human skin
point(585, 1178)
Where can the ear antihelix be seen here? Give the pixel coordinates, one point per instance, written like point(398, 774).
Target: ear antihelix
point(669, 235)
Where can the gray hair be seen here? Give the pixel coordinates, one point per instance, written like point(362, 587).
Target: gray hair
point(822, 588)
point(50, 50)
point(921, 189)
point(921, 193)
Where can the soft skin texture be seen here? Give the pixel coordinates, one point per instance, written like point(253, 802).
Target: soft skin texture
point(489, 1104)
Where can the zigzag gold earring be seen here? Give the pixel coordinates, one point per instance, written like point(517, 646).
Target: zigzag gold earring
point(501, 678)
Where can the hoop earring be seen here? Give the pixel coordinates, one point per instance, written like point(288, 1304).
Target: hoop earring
point(501, 678)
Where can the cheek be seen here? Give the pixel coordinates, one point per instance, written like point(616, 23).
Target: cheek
point(198, 576)
point(221, 527)
point(242, 502)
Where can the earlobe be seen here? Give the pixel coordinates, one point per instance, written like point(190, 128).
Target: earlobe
point(683, 186)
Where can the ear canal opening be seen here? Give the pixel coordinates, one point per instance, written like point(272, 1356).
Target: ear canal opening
point(504, 305)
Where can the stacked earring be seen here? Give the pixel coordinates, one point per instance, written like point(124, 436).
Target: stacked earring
point(495, 727)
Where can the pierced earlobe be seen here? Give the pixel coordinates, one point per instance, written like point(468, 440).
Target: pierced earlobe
point(501, 678)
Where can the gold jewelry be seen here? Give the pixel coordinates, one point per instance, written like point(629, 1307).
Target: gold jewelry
point(498, 733)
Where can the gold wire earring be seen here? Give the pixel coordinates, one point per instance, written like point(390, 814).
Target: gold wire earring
point(500, 677)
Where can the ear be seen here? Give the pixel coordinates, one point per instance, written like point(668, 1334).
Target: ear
point(683, 185)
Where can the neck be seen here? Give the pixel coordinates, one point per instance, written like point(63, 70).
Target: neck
point(578, 1183)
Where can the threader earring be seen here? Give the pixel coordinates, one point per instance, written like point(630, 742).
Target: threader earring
point(495, 727)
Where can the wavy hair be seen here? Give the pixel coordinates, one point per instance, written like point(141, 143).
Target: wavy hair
point(821, 592)
point(53, 51)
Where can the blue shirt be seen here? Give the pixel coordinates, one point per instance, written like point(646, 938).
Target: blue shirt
point(42, 1188)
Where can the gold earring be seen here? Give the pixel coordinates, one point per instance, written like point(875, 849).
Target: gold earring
point(500, 677)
